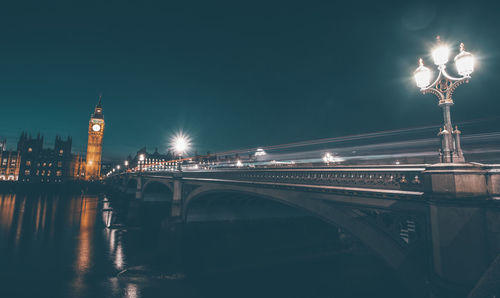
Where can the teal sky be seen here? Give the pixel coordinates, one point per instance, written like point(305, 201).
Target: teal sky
point(234, 74)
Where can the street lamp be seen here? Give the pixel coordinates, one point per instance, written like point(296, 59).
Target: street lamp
point(443, 87)
point(180, 144)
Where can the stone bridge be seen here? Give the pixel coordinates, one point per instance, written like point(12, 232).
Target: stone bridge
point(437, 226)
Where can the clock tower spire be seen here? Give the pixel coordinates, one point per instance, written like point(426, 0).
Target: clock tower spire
point(94, 145)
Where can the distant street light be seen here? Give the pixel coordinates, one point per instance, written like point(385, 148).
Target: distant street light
point(443, 87)
point(260, 152)
point(328, 158)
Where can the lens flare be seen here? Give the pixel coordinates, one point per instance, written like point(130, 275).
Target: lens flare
point(180, 143)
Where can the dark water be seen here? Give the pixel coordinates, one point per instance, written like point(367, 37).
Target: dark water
point(58, 246)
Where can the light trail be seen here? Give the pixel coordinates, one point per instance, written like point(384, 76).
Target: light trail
point(478, 147)
point(355, 137)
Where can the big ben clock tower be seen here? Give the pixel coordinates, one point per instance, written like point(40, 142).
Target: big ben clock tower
point(94, 145)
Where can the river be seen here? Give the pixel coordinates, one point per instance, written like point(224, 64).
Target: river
point(57, 245)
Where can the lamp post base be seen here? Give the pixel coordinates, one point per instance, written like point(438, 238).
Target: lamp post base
point(456, 180)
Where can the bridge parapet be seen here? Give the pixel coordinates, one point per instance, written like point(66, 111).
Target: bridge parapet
point(439, 180)
point(394, 178)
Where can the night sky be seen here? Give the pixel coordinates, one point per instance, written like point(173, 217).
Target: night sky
point(234, 74)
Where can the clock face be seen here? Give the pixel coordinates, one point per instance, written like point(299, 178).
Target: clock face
point(96, 127)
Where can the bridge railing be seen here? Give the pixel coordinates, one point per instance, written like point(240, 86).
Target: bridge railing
point(394, 178)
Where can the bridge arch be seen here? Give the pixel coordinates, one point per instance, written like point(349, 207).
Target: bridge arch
point(391, 251)
point(157, 191)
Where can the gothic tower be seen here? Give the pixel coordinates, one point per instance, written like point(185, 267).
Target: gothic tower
point(94, 145)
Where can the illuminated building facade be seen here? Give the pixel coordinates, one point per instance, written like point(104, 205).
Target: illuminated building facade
point(153, 160)
point(9, 165)
point(94, 145)
point(44, 165)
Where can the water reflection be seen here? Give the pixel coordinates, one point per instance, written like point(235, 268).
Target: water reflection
point(87, 214)
point(115, 247)
point(132, 291)
point(57, 244)
point(20, 216)
point(7, 203)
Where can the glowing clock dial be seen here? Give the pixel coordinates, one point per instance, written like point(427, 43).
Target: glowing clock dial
point(96, 127)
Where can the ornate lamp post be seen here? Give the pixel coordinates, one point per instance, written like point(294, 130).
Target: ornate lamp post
point(443, 87)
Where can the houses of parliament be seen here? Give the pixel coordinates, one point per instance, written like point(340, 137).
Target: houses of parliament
point(32, 163)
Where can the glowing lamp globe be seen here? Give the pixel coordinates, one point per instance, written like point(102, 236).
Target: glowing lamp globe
point(422, 75)
point(464, 62)
point(441, 54)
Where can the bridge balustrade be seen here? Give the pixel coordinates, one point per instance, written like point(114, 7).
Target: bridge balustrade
point(385, 178)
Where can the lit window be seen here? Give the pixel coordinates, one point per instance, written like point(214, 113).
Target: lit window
point(48, 173)
point(44, 164)
point(59, 163)
point(59, 173)
point(27, 172)
point(30, 149)
point(28, 163)
point(61, 152)
point(50, 164)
